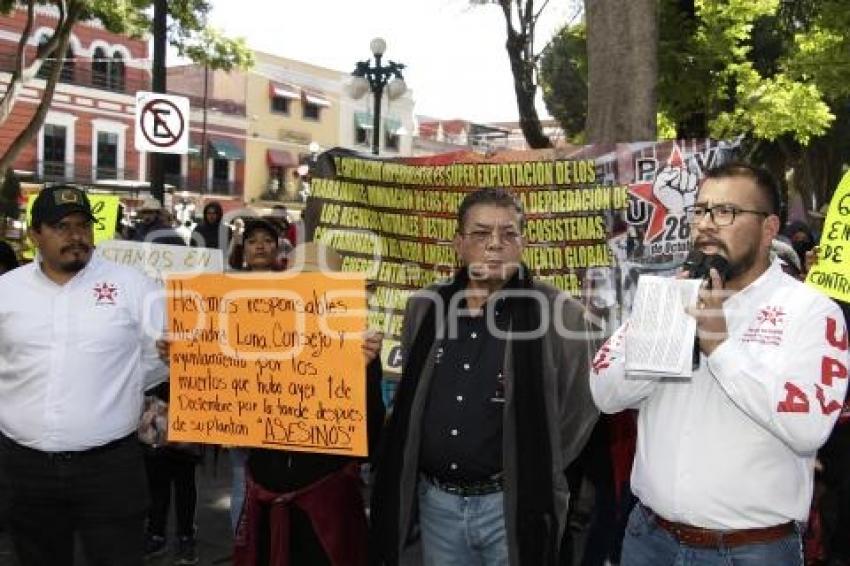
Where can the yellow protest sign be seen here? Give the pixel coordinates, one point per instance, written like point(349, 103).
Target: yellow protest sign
point(105, 210)
point(269, 360)
point(832, 272)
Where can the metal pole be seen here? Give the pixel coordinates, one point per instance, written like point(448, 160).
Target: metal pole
point(204, 188)
point(158, 84)
point(377, 85)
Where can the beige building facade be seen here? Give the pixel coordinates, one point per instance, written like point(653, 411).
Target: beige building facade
point(293, 111)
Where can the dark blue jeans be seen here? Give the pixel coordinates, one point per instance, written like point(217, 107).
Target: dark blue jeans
point(647, 544)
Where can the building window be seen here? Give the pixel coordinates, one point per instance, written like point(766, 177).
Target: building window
point(173, 169)
point(47, 65)
point(391, 139)
point(221, 176)
point(99, 68)
point(107, 155)
point(67, 73)
point(361, 136)
point(311, 111)
point(116, 72)
point(280, 104)
point(54, 151)
point(363, 128)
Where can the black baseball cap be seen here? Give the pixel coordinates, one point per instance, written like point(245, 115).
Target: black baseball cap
point(55, 203)
point(254, 224)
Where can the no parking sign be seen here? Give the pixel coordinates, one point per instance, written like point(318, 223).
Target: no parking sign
point(162, 123)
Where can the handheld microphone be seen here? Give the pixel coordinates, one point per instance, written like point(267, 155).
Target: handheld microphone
point(699, 265)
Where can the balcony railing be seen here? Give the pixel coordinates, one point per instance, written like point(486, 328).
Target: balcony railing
point(68, 173)
point(79, 72)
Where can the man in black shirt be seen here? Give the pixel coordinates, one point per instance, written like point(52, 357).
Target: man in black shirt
point(493, 405)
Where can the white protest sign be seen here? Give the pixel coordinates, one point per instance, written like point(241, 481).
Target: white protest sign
point(157, 260)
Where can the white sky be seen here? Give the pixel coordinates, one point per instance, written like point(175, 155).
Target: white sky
point(456, 62)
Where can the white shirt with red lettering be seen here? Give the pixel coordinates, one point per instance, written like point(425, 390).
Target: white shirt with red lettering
point(734, 447)
point(75, 359)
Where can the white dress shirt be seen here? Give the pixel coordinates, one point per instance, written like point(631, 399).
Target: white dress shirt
point(75, 359)
point(734, 447)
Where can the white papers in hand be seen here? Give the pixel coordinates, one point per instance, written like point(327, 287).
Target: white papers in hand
point(660, 337)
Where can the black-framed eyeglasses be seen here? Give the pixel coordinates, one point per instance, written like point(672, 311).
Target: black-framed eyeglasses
point(721, 214)
point(509, 236)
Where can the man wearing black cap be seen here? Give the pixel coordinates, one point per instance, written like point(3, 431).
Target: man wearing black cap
point(77, 352)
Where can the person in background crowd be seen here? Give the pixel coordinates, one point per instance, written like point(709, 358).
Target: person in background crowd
point(167, 465)
point(122, 230)
point(77, 352)
point(833, 508)
point(295, 490)
point(286, 227)
point(817, 218)
point(207, 234)
point(802, 238)
point(261, 239)
point(485, 423)
point(725, 461)
point(152, 228)
point(8, 259)
point(791, 263)
point(835, 503)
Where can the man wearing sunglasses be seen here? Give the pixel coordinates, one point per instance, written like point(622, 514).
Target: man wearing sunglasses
point(725, 462)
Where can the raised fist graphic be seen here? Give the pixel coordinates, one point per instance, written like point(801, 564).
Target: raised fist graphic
point(675, 187)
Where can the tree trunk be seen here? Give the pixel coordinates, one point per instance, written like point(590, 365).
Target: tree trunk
point(26, 135)
point(622, 45)
point(520, 48)
point(525, 88)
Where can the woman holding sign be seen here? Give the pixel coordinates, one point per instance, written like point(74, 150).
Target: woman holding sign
point(304, 508)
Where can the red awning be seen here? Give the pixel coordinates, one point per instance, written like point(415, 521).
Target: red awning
point(279, 158)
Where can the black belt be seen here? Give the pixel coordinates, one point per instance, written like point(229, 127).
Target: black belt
point(467, 488)
point(10, 444)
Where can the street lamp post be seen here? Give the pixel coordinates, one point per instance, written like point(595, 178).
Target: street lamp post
point(374, 79)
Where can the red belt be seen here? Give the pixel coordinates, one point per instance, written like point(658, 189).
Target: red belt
point(710, 538)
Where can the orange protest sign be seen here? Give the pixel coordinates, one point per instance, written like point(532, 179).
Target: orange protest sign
point(268, 360)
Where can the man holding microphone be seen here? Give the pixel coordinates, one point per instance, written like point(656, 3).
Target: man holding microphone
point(725, 461)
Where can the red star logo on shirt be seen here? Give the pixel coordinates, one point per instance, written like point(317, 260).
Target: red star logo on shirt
point(773, 315)
point(105, 293)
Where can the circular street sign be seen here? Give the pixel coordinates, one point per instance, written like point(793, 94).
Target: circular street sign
point(173, 130)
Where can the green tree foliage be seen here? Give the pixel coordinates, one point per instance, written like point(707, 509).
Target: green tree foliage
point(775, 72)
point(186, 31)
point(563, 69)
